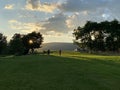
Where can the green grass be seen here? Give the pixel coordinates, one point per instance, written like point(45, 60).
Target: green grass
point(71, 71)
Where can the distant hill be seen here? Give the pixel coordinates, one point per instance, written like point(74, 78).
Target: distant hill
point(58, 46)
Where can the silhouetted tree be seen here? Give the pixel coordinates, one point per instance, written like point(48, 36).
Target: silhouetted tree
point(3, 43)
point(32, 40)
point(99, 36)
point(16, 45)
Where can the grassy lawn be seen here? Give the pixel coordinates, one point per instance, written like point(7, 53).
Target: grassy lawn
point(71, 71)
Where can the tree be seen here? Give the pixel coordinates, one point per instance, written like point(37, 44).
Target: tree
point(3, 43)
point(90, 36)
point(99, 36)
point(16, 45)
point(31, 41)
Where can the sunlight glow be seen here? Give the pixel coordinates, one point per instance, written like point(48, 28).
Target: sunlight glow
point(30, 41)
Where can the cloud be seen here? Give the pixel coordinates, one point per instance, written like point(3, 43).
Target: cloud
point(36, 5)
point(72, 20)
point(56, 23)
point(108, 9)
point(56, 38)
point(74, 14)
point(82, 5)
point(114, 7)
point(77, 19)
point(13, 21)
point(53, 33)
point(9, 6)
point(25, 27)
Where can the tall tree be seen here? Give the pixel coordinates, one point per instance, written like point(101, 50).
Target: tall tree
point(99, 36)
point(32, 40)
point(16, 45)
point(3, 43)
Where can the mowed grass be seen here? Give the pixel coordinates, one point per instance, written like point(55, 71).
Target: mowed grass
point(71, 71)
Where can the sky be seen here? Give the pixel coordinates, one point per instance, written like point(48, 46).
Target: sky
point(55, 19)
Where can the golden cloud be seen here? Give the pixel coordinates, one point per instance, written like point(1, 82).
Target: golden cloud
point(9, 6)
point(25, 27)
point(37, 6)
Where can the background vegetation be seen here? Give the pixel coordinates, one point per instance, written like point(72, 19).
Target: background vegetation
point(103, 36)
point(20, 44)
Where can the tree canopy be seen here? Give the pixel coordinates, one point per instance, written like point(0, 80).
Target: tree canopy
point(32, 40)
point(22, 44)
point(3, 43)
point(103, 36)
point(15, 45)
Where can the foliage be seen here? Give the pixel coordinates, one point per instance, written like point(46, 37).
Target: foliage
point(32, 40)
point(3, 44)
point(99, 36)
point(21, 44)
point(16, 46)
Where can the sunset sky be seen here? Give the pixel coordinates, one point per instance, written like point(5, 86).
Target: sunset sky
point(55, 19)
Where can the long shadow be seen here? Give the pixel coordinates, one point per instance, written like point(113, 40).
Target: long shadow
point(63, 72)
point(100, 70)
point(106, 66)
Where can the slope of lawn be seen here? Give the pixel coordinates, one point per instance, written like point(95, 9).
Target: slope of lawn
point(71, 71)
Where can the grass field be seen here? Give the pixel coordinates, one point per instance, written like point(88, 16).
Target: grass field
point(71, 71)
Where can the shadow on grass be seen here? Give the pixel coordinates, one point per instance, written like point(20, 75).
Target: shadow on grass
point(50, 72)
point(95, 73)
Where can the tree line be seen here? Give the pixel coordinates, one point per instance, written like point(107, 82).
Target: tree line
point(20, 44)
point(102, 36)
point(93, 36)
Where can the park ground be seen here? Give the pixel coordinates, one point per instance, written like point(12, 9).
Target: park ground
point(71, 71)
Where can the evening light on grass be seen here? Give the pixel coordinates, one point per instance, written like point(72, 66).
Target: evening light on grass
point(71, 71)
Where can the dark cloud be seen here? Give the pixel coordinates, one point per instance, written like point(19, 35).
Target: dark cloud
point(97, 9)
point(34, 3)
point(81, 5)
point(56, 23)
